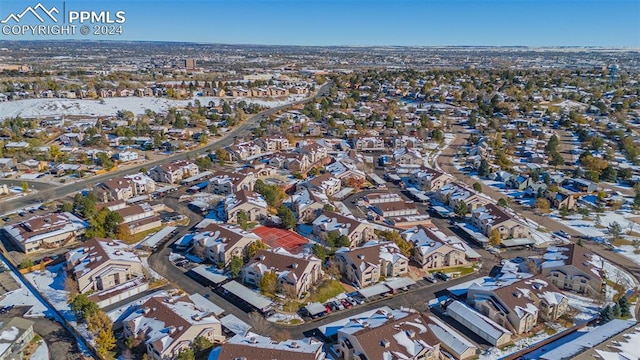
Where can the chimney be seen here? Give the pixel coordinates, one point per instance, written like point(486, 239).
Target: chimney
point(385, 343)
point(294, 345)
point(146, 310)
point(411, 334)
point(253, 340)
point(294, 265)
point(361, 256)
point(365, 324)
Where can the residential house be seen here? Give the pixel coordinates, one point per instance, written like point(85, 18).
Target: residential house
point(243, 150)
point(252, 346)
point(226, 183)
point(519, 182)
point(491, 217)
point(365, 265)
point(315, 152)
point(369, 144)
point(308, 204)
point(358, 231)
point(32, 165)
point(126, 187)
point(169, 325)
point(408, 156)
point(344, 170)
point(325, 183)
point(7, 164)
point(386, 334)
point(452, 194)
point(561, 199)
point(251, 203)
point(297, 274)
point(45, 231)
point(429, 179)
point(274, 143)
point(573, 267)
point(519, 305)
point(433, 251)
point(103, 264)
point(126, 156)
point(218, 243)
point(174, 172)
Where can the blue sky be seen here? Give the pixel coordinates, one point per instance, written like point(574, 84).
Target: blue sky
point(372, 22)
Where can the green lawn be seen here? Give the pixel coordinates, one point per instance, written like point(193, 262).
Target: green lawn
point(326, 291)
point(462, 271)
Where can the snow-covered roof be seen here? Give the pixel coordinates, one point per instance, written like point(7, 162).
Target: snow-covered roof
point(588, 340)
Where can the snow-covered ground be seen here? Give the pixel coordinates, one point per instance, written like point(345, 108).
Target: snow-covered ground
point(495, 353)
point(587, 308)
point(144, 257)
point(24, 297)
point(284, 318)
point(40, 108)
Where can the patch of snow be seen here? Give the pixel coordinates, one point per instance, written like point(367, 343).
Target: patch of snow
point(41, 352)
point(286, 318)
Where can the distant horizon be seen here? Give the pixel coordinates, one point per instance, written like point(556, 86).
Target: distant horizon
point(362, 23)
point(628, 48)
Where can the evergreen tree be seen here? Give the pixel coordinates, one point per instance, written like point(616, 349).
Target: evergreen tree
point(623, 303)
point(606, 315)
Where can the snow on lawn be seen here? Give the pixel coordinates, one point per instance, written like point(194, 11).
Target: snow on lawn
point(614, 273)
point(50, 283)
point(588, 308)
point(495, 353)
point(35, 108)
point(628, 251)
point(284, 318)
point(588, 228)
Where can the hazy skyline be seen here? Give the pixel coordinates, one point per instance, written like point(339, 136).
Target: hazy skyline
point(613, 23)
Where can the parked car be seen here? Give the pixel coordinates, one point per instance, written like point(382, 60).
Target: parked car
point(338, 305)
point(563, 234)
point(346, 303)
point(352, 301)
point(442, 276)
point(430, 278)
point(328, 309)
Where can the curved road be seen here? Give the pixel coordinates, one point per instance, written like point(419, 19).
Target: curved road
point(445, 161)
point(227, 139)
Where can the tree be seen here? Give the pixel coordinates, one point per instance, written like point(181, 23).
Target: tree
point(552, 145)
point(615, 229)
point(204, 163)
point(405, 247)
point(616, 310)
point(319, 251)
point(269, 283)
point(186, 354)
point(105, 342)
point(502, 202)
point(253, 248)
point(235, 266)
point(495, 239)
point(25, 187)
point(123, 232)
point(343, 241)
point(564, 211)
point(243, 219)
point(287, 217)
point(98, 321)
point(83, 307)
point(609, 174)
point(222, 156)
point(542, 205)
point(556, 159)
point(355, 182)
point(477, 187)
point(483, 169)
point(461, 209)
point(201, 344)
point(67, 207)
point(273, 194)
point(606, 315)
point(54, 152)
point(623, 303)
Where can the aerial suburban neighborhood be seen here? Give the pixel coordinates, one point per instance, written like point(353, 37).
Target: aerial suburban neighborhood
point(228, 202)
